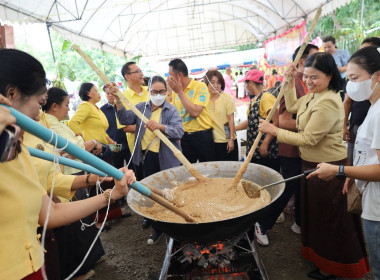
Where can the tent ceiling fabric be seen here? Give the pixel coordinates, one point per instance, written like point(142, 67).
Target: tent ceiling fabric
point(162, 27)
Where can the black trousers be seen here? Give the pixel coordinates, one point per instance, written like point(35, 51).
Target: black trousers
point(289, 167)
point(73, 244)
point(150, 165)
point(118, 158)
point(273, 163)
point(221, 152)
point(198, 146)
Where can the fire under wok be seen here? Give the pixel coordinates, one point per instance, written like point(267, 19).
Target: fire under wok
point(209, 231)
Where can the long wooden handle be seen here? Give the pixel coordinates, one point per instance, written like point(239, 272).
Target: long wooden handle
point(171, 207)
point(244, 166)
point(177, 153)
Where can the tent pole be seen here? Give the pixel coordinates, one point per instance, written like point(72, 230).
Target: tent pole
point(361, 14)
point(48, 24)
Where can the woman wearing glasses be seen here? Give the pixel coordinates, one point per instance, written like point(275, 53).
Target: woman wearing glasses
point(154, 155)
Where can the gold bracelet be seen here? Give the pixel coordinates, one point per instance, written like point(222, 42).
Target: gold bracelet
point(107, 195)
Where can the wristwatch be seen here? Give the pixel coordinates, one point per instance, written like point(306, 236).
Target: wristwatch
point(340, 173)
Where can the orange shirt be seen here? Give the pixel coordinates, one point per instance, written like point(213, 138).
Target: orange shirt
point(271, 81)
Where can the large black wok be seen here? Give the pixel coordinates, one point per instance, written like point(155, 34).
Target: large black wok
point(212, 231)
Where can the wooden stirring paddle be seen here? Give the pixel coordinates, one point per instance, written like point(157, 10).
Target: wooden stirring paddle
point(244, 166)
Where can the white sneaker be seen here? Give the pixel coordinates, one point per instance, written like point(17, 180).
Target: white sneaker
point(261, 238)
point(280, 218)
point(296, 228)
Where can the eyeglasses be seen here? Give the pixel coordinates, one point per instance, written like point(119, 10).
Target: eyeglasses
point(137, 71)
point(161, 92)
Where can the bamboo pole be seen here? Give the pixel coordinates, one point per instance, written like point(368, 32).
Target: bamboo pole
point(127, 103)
point(244, 166)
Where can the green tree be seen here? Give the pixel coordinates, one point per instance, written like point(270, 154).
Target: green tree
point(345, 24)
point(69, 64)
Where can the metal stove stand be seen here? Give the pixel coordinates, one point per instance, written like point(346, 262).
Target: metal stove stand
point(246, 264)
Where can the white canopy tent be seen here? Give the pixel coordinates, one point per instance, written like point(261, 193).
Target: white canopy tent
point(162, 27)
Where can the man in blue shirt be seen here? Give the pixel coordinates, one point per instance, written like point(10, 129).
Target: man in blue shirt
point(341, 58)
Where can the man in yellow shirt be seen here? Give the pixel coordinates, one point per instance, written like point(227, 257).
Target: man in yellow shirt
point(136, 92)
point(191, 98)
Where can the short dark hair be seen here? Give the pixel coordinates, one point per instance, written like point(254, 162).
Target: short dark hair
point(325, 63)
point(157, 79)
point(306, 52)
point(179, 66)
point(217, 74)
point(83, 91)
point(21, 70)
point(329, 39)
point(373, 41)
point(55, 95)
point(125, 69)
point(367, 58)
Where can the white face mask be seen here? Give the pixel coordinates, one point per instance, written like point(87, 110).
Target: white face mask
point(157, 99)
point(360, 91)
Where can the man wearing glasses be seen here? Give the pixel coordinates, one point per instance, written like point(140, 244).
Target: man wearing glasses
point(191, 98)
point(136, 92)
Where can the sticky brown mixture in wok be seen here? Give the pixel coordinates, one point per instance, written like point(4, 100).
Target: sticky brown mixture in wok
point(210, 200)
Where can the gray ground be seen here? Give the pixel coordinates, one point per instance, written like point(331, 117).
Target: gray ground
point(129, 257)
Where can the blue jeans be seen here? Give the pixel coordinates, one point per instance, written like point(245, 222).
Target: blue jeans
point(372, 236)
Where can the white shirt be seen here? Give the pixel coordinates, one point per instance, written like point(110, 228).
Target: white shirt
point(367, 142)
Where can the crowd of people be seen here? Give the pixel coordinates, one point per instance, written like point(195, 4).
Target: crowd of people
point(306, 132)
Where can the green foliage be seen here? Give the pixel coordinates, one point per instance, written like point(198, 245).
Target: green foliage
point(70, 65)
point(345, 25)
point(246, 47)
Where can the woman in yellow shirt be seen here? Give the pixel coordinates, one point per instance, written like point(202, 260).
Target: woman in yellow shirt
point(150, 152)
point(56, 110)
point(221, 108)
point(331, 237)
point(89, 121)
point(23, 201)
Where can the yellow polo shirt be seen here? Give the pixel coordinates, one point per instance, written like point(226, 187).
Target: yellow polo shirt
point(134, 98)
point(20, 203)
point(219, 110)
point(197, 93)
point(149, 135)
point(91, 122)
point(266, 103)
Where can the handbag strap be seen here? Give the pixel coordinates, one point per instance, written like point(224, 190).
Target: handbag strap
point(366, 184)
point(147, 148)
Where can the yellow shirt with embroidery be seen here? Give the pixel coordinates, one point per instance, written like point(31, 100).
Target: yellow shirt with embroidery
point(266, 103)
point(134, 98)
point(197, 93)
point(91, 122)
point(20, 203)
point(63, 130)
point(219, 109)
point(149, 136)
point(46, 169)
